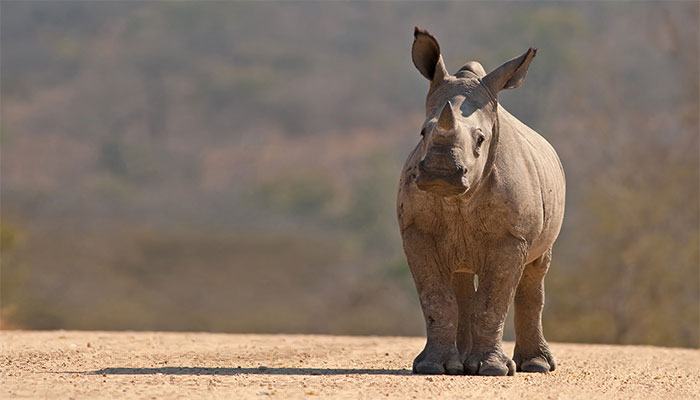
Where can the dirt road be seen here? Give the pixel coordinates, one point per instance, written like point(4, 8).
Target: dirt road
point(199, 365)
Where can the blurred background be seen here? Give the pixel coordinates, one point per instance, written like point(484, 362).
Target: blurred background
point(233, 167)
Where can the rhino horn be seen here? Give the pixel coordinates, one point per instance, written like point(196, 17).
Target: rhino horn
point(447, 120)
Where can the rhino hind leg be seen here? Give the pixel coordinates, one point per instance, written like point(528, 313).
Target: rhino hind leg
point(532, 352)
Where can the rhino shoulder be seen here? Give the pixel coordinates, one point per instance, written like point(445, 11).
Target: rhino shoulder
point(413, 207)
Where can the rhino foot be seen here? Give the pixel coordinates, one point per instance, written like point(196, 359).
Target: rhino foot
point(542, 362)
point(491, 363)
point(438, 364)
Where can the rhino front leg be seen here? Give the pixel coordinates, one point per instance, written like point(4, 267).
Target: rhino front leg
point(497, 282)
point(440, 354)
point(464, 289)
point(532, 352)
point(439, 304)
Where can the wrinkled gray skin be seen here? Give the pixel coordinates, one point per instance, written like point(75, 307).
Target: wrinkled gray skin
point(481, 194)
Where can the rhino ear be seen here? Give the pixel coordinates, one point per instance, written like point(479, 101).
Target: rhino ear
point(426, 56)
point(511, 74)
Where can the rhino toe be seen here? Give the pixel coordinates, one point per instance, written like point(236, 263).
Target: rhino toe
point(541, 362)
point(428, 368)
point(438, 364)
point(493, 363)
point(536, 364)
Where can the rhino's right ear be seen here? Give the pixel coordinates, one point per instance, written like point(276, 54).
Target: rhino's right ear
point(426, 56)
point(509, 75)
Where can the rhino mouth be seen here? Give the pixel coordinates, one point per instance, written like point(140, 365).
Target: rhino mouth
point(442, 183)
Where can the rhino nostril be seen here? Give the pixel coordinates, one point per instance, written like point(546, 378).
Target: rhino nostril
point(462, 170)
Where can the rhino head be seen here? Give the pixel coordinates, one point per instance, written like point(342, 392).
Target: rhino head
point(460, 131)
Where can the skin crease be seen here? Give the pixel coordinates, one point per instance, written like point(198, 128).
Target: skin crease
point(481, 194)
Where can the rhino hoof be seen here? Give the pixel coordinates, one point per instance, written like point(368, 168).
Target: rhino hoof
point(535, 365)
point(452, 366)
point(541, 363)
point(493, 363)
point(428, 368)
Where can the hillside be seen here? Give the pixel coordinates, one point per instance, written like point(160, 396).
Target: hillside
point(70, 364)
point(165, 164)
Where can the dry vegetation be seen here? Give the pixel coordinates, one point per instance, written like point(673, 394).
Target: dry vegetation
point(233, 166)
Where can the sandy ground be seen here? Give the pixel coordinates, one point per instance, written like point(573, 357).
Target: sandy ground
point(153, 365)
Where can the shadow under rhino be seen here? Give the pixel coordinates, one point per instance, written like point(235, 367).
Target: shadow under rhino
point(246, 371)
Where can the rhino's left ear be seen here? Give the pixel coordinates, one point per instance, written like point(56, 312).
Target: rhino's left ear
point(509, 75)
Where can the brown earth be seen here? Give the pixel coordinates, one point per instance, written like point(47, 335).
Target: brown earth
point(200, 365)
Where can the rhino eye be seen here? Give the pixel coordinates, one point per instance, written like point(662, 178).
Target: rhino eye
point(480, 140)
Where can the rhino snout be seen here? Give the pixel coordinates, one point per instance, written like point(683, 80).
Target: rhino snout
point(441, 165)
point(442, 180)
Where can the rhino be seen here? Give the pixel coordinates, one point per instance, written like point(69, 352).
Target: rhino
point(480, 205)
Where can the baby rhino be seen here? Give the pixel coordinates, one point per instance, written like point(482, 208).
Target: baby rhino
point(480, 204)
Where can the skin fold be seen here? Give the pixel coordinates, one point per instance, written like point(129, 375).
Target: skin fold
point(481, 195)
